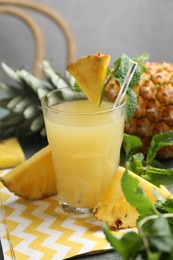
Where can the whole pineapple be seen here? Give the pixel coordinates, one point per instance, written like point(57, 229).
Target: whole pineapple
point(154, 112)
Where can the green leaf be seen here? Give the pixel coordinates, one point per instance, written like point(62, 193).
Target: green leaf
point(135, 164)
point(154, 256)
point(56, 80)
point(122, 66)
point(13, 103)
point(131, 144)
point(127, 246)
point(140, 59)
point(159, 234)
point(159, 140)
point(23, 104)
point(70, 79)
point(10, 120)
point(32, 81)
point(159, 176)
point(43, 132)
point(32, 111)
point(4, 102)
point(11, 73)
point(135, 195)
point(165, 206)
point(131, 102)
point(119, 72)
point(41, 92)
point(37, 123)
point(11, 91)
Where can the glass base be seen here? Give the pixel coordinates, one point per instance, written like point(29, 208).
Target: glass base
point(75, 212)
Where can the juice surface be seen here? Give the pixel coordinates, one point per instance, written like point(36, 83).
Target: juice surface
point(85, 150)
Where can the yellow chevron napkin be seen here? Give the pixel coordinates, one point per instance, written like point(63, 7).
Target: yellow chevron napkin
point(37, 231)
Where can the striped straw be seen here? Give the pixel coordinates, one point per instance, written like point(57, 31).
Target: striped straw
point(125, 84)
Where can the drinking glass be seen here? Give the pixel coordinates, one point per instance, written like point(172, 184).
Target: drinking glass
point(85, 142)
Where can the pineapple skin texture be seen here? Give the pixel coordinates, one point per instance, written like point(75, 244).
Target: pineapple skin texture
point(154, 112)
point(33, 179)
point(113, 207)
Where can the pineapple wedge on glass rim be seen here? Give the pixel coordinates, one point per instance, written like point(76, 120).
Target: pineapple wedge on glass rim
point(90, 74)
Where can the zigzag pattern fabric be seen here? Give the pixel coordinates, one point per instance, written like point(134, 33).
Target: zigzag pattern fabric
point(37, 230)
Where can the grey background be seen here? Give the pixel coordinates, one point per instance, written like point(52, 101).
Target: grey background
point(111, 26)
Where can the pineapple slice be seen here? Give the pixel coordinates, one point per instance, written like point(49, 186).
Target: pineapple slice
point(90, 74)
point(113, 207)
point(34, 179)
point(11, 153)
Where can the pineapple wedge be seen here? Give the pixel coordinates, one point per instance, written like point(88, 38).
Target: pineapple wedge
point(113, 207)
point(34, 179)
point(90, 74)
point(11, 153)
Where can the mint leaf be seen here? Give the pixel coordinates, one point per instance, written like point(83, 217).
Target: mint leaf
point(159, 140)
point(122, 69)
point(149, 168)
point(127, 246)
point(158, 233)
point(119, 72)
point(142, 58)
point(159, 176)
point(131, 102)
point(131, 144)
point(135, 195)
point(166, 206)
point(116, 65)
point(136, 164)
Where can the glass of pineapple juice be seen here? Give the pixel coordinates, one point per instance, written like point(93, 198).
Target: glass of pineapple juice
point(85, 141)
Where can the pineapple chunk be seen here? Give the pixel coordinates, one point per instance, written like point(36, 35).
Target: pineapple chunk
point(113, 207)
point(33, 179)
point(11, 153)
point(90, 74)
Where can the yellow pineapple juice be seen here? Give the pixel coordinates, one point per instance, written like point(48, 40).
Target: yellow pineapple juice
point(85, 141)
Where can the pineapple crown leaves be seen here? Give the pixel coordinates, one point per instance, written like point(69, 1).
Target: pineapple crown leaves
point(22, 100)
point(54, 78)
point(25, 81)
